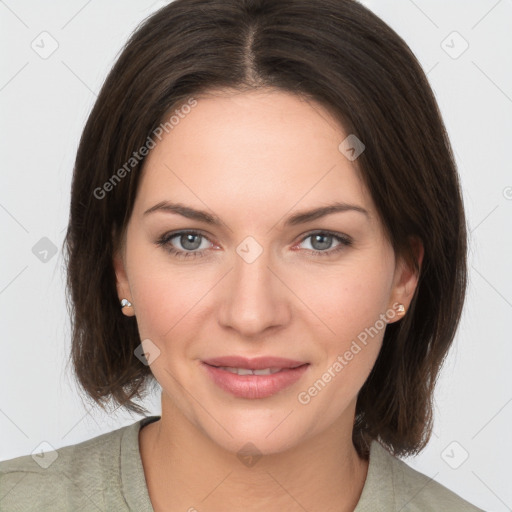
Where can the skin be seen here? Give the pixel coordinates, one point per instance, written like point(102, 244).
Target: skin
point(253, 159)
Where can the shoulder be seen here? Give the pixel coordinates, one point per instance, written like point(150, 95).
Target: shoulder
point(83, 476)
point(404, 488)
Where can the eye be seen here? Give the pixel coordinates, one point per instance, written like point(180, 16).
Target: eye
point(190, 241)
point(321, 242)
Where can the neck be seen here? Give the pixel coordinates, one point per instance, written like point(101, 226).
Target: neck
point(185, 469)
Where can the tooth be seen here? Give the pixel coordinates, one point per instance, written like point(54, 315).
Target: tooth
point(244, 371)
point(229, 369)
point(264, 371)
point(248, 371)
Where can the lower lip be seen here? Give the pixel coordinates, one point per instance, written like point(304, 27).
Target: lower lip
point(255, 386)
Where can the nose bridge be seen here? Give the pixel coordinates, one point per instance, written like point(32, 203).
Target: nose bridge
point(255, 300)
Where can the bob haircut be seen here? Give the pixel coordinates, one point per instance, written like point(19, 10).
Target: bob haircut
point(339, 54)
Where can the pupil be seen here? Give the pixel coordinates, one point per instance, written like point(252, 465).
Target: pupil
point(324, 245)
point(186, 241)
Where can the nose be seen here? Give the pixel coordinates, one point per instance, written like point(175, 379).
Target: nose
point(255, 299)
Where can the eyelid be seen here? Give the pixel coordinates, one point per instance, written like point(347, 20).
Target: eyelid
point(166, 237)
point(328, 232)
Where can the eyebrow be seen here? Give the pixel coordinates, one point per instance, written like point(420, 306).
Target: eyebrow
point(301, 217)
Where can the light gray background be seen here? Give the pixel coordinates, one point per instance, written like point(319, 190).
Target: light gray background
point(44, 105)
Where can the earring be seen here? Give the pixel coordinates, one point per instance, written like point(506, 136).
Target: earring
point(400, 309)
point(125, 303)
point(127, 308)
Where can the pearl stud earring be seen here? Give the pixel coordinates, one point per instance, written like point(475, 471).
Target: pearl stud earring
point(125, 303)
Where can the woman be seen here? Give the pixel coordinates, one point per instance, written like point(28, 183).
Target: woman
point(266, 221)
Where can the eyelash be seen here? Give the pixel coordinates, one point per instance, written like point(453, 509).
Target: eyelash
point(164, 242)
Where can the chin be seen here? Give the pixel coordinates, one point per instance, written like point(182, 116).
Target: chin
point(256, 443)
point(254, 433)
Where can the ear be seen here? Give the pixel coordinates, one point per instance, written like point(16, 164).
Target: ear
point(122, 284)
point(406, 278)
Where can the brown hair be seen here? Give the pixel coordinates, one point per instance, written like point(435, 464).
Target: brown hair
point(340, 54)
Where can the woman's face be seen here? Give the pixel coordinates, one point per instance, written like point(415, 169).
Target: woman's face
point(253, 284)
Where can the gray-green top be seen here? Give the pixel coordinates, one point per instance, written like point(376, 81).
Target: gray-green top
point(105, 473)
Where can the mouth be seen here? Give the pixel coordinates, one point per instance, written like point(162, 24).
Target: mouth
point(254, 379)
point(253, 371)
point(256, 363)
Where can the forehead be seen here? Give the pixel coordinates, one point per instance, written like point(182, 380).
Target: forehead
point(253, 150)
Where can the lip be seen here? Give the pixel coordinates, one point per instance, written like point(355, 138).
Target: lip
point(257, 363)
point(256, 386)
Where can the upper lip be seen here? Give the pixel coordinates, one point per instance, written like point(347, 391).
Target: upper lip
point(257, 363)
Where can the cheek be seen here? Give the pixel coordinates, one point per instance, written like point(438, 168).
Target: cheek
point(166, 301)
point(351, 344)
point(166, 296)
point(348, 299)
